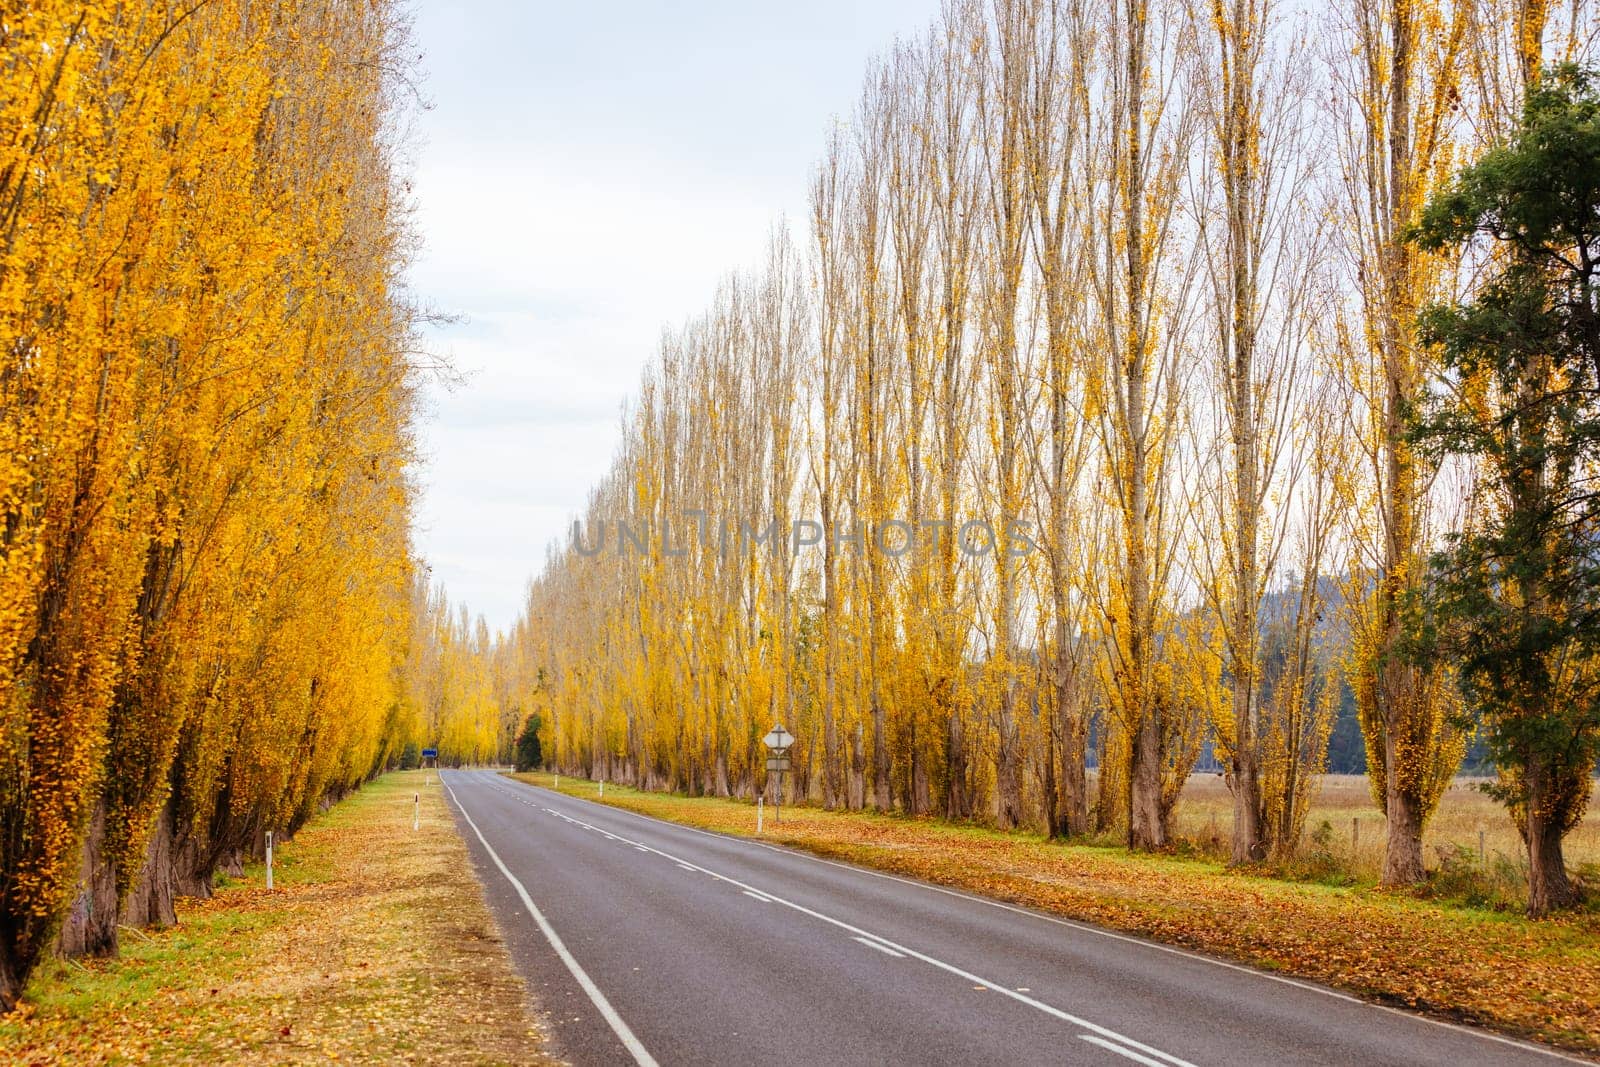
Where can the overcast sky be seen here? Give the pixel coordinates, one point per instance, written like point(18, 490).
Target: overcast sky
point(586, 174)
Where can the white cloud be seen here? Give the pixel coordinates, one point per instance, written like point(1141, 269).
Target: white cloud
point(586, 177)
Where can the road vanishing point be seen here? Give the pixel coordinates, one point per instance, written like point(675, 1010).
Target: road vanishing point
point(646, 942)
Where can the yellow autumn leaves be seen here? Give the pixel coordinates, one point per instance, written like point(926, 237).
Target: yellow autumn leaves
point(204, 420)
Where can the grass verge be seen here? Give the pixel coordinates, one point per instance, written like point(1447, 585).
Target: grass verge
point(1533, 979)
point(374, 947)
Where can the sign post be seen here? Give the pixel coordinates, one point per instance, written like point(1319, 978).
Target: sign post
point(269, 859)
point(778, 741)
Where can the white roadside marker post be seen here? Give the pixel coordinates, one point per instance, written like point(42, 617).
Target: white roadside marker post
point(602, 788)
point(416, 812)
point(760, 799)
point(269, 859)
point(557, 786)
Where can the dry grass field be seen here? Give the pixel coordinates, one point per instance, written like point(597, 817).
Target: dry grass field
point(1353, 836)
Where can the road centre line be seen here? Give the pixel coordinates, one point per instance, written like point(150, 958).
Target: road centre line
point(1070, 924)
point(1038, 1005)
point(1120, 1051)
point(885, 949)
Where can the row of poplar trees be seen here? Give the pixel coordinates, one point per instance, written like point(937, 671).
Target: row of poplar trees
point(205, 400)
point(1095, 372)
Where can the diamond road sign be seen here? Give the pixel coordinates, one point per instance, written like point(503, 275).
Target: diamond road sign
point(778, 739)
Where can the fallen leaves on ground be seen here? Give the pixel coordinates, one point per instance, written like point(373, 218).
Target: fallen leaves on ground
point(375, 947)
point(1536, 979)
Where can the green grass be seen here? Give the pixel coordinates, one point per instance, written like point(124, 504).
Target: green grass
point(375, 946)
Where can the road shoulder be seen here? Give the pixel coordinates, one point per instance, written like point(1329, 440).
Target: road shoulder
point(376, 946)
point(1495, 971)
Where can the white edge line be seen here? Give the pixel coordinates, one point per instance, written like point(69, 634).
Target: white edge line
point(641, 1056)
point(1048, 1009)
point(1120, 1050)
point(1310, 987)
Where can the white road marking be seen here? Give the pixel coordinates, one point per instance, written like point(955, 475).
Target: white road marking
point(1085, 928)
point(640, 1055)
point(1120, 1051)
point(758, 896)
point(1039, 1005)
point(885, 949)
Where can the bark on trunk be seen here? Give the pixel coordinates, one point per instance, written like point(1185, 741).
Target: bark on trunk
point(1402, 854)
point(1146, 827)
point(1144, 772)
point(881, 799)
point(858, 771)
point(830, 754)
point(1074, 816)
point(1549, 888)
point(192, 868)
point(90, 926)
point(152, 901)
point(10, 981)
point(1008, 767)
point(1052, 793)
point(1108, 787)
point(921, 798)
point(958, 804)
point(1248, 843)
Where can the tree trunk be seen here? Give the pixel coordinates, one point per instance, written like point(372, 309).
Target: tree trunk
point(1074, 771)
point(921, 799)
point(1052, 824)
point(1402, 854)
point(1403, 807)
point(830, 751)
point(858, 771)
point(153, 899)
point(1108, 790)
point(1008, 764)
point(1549, 888)
point(1248, 846)
point(193, 868)
point(881, 799)
point(90, 925)
point(1146, 826)
point(11, 978)
point(958, 805)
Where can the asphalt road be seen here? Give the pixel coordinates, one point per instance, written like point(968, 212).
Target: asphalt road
point(647, 942)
